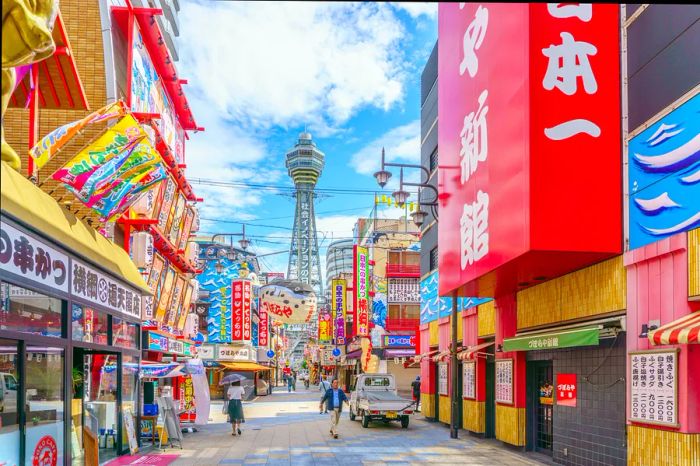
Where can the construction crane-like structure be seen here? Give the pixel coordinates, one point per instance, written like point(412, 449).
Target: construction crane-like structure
point(305, 163)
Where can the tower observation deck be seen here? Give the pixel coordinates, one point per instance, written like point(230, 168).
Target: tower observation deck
point(304, 165)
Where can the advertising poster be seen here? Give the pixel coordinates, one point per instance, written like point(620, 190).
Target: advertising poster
point(166, 292)
point(188, 410)
point(178, 217)
point(361, 273)
point(247, 310)
point(339, 297)
point(174, 305)
point(504, 381)
point(185, 306)
point(186, 229)
point(263, 326)
point(237, 306)
point(469, 380)
point(325, 327)
point(654, 387)
point(443, 375)
point(167, 198)
point(154, 279)
point(566, 390)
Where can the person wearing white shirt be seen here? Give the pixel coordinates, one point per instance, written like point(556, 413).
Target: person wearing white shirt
point(235, 406)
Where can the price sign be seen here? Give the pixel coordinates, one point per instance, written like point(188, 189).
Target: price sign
point(504, 381)
point(469, 380)
point(654, 387)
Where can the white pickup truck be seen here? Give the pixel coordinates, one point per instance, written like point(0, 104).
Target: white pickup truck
point(374, 398)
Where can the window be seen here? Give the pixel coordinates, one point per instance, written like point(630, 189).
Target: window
point(27, 311)
point(124, 334)
point(404, 311)
point(434, 258)
point(377, 382)
point(89, 325)
point(434, 160)
point(9, 428)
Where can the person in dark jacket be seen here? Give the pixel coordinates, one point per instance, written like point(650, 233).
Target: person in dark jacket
point(334, 398)
point(415, 388)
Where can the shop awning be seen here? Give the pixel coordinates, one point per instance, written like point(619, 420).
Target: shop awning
point(471, 352)
point(420, 357)
point(682, 331)
point(441, 355)
point(585, 336)
point(21, 199)
point(245, 366)
point(354, 354)
point(399, 353)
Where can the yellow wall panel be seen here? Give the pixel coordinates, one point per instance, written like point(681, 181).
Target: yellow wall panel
point(510, 425)
point(474, 415)
point(433, 327)
point(661, 447)
point(598, 289)
point(444, 414)
point(486, 318)
point(694, 263)
point(427, 405)
point(460, 326)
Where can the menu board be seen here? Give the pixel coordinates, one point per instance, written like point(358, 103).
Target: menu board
point(443, 374)
point(185, 306)
point(654, 387)
point(504, 381)
point(469, 380)
point(174, 305)
point(165, 294)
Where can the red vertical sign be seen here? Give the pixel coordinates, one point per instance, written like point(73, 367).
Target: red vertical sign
point(262, 325)
point(237, 310)
point(247, 307)
point(566, 389)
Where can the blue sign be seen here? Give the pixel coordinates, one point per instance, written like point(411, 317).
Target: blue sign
point(336, 352)
point(664, 176)
point(433, 306)
point(270, 354)
point(399, 341)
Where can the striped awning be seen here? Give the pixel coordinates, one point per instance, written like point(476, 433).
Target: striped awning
point(441, 356)
point(471, 352)
point(682, 331)
point(420, 357)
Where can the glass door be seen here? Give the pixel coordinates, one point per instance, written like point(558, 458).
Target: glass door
point(9, 392)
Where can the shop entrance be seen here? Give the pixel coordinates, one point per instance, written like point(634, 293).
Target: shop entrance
point(540, 392)
point(490, 428)
point(96, 404)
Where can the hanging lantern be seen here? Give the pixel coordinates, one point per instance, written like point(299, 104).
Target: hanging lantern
point(142, 249)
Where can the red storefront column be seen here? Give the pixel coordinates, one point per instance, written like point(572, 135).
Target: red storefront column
point(427, 375)
point(474, 410)
point(510, 418)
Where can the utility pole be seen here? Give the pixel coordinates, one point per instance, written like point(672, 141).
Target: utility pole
point(453, 353)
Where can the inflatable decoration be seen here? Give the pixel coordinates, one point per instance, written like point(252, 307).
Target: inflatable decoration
point(288, 301)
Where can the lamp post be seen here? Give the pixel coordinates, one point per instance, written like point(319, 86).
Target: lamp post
point(401, 196)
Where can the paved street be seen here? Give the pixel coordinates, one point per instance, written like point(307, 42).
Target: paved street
point(284, 429)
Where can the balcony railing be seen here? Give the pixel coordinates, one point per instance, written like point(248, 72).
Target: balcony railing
point(400, 325)
point(402, 270)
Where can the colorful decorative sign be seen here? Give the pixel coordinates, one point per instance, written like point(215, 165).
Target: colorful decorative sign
point(289, 302)
point(546, 393)
point(98, 288)
point(361, 285)
point(518, 86)
point(403, 291)
point(566, 389)
point(443, 379)
point(247, 309)
point(154, 279)
point(469, 380)
point(399, 341)
point(241, 299)
point(263, 326)
point(174, 305)
point(325, 327)
point(432, 306)
point(588, 336)
point(176, 224)
point(504, 381)
point(233, 353)
point(157, 342)
point(166, 197)
point(187, 223)
point(339, 288)
point(165, 294)
point(185, 306)
point(654, 387)
point(664, 176)
point(188, 411)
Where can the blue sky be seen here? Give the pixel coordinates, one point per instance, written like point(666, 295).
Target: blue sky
point(259, 72)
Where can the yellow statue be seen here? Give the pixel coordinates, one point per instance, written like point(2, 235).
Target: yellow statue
point(26, 39)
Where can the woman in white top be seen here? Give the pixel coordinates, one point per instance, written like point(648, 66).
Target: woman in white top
point(235, 406)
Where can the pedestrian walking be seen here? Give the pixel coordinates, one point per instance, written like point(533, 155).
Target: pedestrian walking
point(415, 388)
point(334, 398)
point(235, 406)
point(287, 372)
point(323, 388)
point(294, 380)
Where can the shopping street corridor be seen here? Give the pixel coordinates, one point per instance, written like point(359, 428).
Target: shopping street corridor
point(287, 429)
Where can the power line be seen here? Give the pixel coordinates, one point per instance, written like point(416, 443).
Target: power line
point(284, 188)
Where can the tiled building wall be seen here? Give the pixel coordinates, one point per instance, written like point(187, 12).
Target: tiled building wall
point(593, 432)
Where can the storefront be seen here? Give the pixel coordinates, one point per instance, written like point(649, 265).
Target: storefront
point(69, 332)
point(221, 360)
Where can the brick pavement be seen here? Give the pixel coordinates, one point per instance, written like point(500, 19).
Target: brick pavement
point(284, 429)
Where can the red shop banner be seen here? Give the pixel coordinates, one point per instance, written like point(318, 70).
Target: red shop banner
point(247, 309)
point(566, 389)
point(263, 324)
point(237, 310)
point(529, 136)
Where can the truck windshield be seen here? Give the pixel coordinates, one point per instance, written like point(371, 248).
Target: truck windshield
point(377, 382)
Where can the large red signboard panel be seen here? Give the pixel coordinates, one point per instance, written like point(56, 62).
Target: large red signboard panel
point(525, 181)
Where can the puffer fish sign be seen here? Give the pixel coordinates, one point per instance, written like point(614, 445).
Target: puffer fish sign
point(289, 302)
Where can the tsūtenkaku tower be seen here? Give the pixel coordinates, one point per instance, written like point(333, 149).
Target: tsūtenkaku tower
point(305, 164)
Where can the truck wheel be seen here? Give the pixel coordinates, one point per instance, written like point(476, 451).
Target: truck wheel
point(352, 414)
point(365, 420)
point(404, 422)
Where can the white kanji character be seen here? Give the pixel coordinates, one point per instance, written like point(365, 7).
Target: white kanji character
point(466, 224)
point(481, 225)
point(567, 62)
point(473, 37)
point(583, 11)
point(474, 139)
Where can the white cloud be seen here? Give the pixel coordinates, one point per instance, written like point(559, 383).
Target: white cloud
point(276, 63)
point(417, 9)
point(401, 144)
